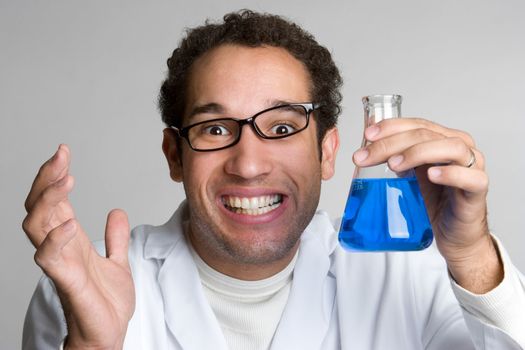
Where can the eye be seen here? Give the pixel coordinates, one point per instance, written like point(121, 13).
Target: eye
point(282, 129)
point(216, 130)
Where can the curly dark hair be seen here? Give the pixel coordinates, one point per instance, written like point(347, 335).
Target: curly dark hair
point(251, 29)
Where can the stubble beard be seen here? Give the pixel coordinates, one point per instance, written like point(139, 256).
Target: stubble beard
point(207, 234)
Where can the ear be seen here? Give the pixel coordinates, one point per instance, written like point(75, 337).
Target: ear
point(171, 151)
point(329, 146)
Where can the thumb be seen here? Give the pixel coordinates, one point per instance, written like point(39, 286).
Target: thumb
point(117, 237)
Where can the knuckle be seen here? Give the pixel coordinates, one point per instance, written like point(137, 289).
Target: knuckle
point(380, 146)
point(425, 134)
point(26, 224)
point(27, 205)
point(467, 138)
point(422, 123)
point(52, 237)
point(40, 259)
point(482, 181)
point(458, 144)
point(485, 181)
point(480, 158)
point(44, 261)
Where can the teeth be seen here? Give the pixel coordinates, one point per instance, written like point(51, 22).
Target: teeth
point(254, 205)
point(258, 211)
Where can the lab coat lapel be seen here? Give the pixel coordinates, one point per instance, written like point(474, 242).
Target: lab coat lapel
point(307, 314)
point(186, 309)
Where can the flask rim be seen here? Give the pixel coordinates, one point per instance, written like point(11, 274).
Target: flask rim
point(382, 99)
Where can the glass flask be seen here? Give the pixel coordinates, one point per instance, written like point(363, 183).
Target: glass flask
point(385, 210)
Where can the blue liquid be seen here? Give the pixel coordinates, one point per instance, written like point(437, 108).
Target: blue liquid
point(385, 215)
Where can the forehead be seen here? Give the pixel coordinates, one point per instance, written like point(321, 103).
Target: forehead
point(245, 79)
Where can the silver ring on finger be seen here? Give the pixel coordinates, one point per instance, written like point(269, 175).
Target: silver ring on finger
point(472, 160)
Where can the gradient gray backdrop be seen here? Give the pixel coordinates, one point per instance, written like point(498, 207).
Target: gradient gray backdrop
point(87, 73)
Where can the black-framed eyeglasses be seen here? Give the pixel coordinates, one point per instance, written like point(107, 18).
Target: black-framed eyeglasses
point(273, 123)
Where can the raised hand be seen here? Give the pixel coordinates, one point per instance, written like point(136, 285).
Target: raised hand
point(97, 293)
point(451, 174)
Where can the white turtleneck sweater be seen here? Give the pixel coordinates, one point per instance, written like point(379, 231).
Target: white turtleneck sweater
point(248, 312)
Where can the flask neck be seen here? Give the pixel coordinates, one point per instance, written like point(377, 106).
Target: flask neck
point(381, 107)
point(378, 108)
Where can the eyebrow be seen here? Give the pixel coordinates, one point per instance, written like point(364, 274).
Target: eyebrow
point(216, 108)
point(206, 108)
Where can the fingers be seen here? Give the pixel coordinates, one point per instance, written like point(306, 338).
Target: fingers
point(51, 171)
point(49, 254)
point(390, 127)
point(446, 151)
point(474, 182)
point(411, 142)
point(417, 140)
point(381, 149)
point(117, 237)
point(45, 214)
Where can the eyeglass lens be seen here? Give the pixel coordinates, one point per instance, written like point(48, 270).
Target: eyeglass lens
point(275, 123)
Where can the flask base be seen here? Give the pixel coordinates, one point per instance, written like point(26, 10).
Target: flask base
point(385, 215)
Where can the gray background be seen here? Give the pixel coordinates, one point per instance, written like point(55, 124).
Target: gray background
point(87, 73)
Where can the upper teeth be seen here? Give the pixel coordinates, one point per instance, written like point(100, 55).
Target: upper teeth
point(252, 202)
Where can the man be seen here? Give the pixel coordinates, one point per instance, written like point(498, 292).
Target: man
point(246, 262)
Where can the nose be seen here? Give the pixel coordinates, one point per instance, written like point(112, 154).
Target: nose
point(249, 158)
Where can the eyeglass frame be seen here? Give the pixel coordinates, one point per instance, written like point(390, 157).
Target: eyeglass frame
point(308, 106)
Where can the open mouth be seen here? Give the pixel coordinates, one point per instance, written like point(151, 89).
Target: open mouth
point(253, 205)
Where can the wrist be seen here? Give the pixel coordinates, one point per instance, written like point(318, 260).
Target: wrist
point(77, 338)
point(478, 269)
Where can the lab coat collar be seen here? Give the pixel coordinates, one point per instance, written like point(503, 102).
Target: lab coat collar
point(306, 317)
point(162, 239)
point(186, 309)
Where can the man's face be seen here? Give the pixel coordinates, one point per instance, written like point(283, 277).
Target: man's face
point(282, 176)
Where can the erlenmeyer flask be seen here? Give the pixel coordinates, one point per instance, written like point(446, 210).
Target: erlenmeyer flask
point(384, 210)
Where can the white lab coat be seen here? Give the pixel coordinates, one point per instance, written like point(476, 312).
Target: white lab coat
point(338, 300)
